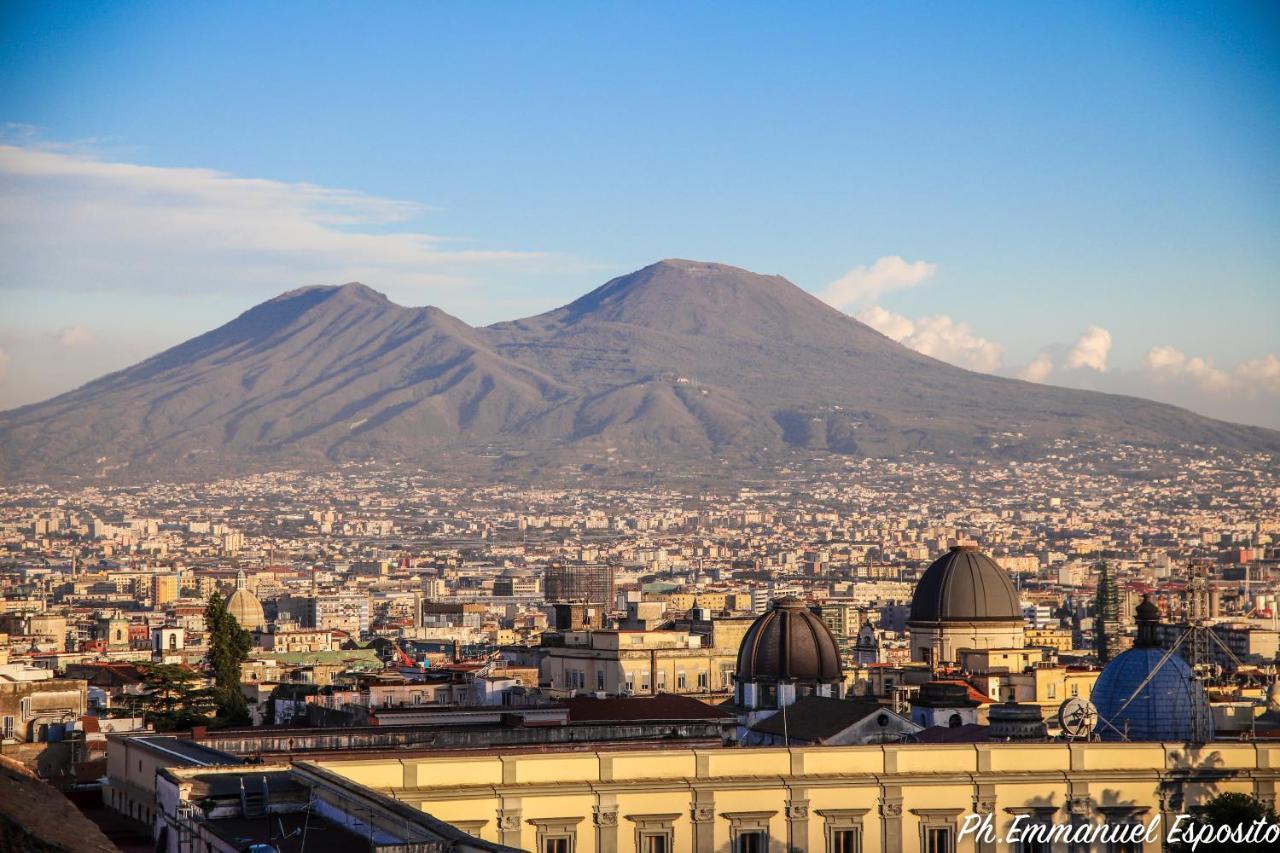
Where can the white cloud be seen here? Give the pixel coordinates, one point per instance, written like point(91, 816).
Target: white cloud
point(76, 336)
point(1262, 374)
point(1253, 378)
point(863, 285)
point(1039, 369)
point(939, 336)
point(1091, 350)
point(72, 223)
point(887, 323)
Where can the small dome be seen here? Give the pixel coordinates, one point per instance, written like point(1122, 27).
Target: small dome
point(1171, 706)
point(965, 585)
point(788, 642)
point(1012, 721)
point(1149, 694)
point(247, 609)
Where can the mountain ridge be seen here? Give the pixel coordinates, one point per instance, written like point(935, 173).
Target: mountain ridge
point(685, 365)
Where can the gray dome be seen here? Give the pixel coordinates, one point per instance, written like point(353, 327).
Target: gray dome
point(788, 642)
point(964, 585)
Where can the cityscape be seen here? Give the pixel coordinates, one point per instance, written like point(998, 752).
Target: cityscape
point(507, 621)
point(639, 428)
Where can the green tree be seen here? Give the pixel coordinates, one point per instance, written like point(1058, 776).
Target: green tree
point(174, 697)
point(1227, 810)
point(229, 646)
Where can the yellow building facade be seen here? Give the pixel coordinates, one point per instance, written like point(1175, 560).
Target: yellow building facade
point(853, 799)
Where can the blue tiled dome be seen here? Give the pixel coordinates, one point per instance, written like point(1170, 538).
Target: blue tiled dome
point(1171, 707)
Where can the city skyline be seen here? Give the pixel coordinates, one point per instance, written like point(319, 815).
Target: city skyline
point(879, 171)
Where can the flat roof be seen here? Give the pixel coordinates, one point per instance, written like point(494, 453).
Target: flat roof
point(187, 752)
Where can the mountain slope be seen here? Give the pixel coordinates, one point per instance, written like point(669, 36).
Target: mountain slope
point(682, 365)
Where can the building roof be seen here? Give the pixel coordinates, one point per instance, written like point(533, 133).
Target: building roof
point(789, 641)
point(664, 706)
point(818, 718)
point(182, 752)
point(36, 817)
point(965, 585)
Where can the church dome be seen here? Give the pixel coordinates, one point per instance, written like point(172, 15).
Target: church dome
point(788, 642)
point(1140, 698)
point(965, 585)
point(247, 609)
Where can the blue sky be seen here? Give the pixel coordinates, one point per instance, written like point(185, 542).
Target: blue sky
point(1040, 169)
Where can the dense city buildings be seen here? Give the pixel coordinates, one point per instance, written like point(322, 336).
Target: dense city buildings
point(648, 651)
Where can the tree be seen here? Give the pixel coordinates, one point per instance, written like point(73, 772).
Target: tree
point(229, 646)
point(1230, 810)
point(174, 697)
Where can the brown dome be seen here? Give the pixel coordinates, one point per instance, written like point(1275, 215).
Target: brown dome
point(788, 642)
point(965, 585)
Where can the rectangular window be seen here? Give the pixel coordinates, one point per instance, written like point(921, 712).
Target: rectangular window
point(845, 841)
point(750, 842)
point(631, 682)
point(938, 840)
point(662, 679)
point(599, 679)
point(556, 845)
point(1075, 689)
point(7, 729)
point(1032, 845)
point(703, 680)
point(682, 681)
point(655, 844)
point(1053, 691)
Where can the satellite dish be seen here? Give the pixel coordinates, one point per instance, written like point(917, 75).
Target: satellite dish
point(1078, 718)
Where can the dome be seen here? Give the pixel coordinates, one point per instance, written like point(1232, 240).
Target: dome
point(1013, 721)
point(1148, 693)
point(247, 609)
point(788, 642)
point(965, 585)
point(1171, 706)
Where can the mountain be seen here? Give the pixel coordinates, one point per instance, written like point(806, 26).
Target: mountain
point(681, 366)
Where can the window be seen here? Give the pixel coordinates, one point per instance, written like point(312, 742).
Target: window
point(845, 841)
point(938, 840)
point(1053, 691)
point(655, 833)
point(843, 829)
point(749, 831)
point(599, 679)
point(662, 679)
point(6, 730)
point(556, 835)
point(631, 682)
point(1075, 689)
point(937, 829)
point(703, 679)
point(682, 681)
point(1035, 824)
point(654, 844)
